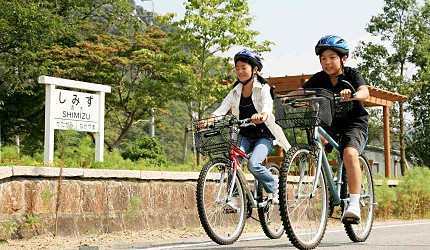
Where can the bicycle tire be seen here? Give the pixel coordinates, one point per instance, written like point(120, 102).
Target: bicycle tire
point(269, 216)
point(221, 226)
point(304, 218)
point(361, 231)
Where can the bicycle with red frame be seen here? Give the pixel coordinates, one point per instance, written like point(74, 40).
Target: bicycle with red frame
point(222, 179)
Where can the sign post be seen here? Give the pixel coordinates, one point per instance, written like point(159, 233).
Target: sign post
point(80, 111)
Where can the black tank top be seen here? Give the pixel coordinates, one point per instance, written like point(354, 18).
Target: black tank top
point(246, 110)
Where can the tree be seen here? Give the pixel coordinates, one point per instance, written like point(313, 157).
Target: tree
point(25, 28)
point(420, 103)
point(212, 26)
point(30, 27)
point(396, 25)
point(137, 68)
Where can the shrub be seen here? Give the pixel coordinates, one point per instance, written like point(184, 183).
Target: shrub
point(386, 197)
point(114, 160)
point(145, 148)
point(9, 153)
point(414, 194)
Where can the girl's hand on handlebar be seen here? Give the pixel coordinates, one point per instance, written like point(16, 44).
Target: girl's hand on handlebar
point(259, 118)
point(206, 123)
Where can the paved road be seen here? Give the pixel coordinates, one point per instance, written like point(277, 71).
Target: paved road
point(388, 235)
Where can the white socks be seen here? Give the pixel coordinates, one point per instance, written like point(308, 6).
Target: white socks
point(354, 199)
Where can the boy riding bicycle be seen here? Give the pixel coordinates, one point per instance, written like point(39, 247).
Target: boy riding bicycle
point(349, 126)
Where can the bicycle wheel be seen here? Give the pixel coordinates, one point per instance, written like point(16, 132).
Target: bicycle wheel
point(361, 231)
point(270, 218)
point(304, 214)
point(221, 225)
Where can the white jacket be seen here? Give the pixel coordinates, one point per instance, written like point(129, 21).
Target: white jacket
point(262, 101)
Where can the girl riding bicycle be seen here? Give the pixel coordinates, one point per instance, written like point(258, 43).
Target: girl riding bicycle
point(349, 125)
point(251, 98)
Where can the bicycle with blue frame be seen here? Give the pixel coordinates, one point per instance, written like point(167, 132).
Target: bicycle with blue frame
point(222, 179)
point(308, 189)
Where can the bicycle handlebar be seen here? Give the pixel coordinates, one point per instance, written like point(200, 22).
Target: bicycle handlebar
point(338, 97)
point(240, 122)
point(207, 124)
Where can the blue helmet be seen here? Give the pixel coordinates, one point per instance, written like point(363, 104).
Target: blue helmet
point(249, 55)
point(332, 42)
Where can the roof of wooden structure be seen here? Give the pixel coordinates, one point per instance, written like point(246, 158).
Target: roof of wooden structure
point(378, 97)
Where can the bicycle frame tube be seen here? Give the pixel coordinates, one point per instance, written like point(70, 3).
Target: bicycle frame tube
point(318, 143)
point(238, 173)
point(333, 186)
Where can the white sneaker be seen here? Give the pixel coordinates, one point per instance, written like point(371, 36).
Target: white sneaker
point(232, 206)
point(274, 197)
point(352, 215)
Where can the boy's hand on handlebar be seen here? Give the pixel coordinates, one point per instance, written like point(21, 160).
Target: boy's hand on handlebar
point(346, 95)
point(259, 118)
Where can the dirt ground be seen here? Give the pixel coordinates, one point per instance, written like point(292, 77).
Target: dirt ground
point(104, 240)
point(124, 239)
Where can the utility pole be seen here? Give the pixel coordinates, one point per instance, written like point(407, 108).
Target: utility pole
point(152, 124)
point(150, 17)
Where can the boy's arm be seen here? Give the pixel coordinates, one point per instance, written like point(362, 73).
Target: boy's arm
point(362, 93)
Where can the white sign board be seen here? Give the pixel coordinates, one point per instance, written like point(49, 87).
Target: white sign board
point(66, 109)
point(75, 110)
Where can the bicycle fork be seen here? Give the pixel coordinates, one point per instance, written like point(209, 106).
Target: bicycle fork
point(250, 194)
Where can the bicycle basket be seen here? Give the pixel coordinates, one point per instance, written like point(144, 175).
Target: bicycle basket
point(216, 137)
point(304, 108)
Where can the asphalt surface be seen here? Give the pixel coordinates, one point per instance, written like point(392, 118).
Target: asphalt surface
point(385, 235)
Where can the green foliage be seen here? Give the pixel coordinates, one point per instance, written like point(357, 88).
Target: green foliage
point(409, 200)
point(144, 147)
point(31, 29)
point(32, 220)
point(8, 229)
point(10, 157)
point(170, 130)
point(114, 160)
point(211, 26)
point(296, 136)
point(134, 208)
point(414, 194)
point(47, 194)
point(420, 102)
point(386, 197)
point(9, 153)
point(66, 141)
point(404, 25)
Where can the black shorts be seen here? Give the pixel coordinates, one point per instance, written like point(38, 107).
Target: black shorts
point(351, 137)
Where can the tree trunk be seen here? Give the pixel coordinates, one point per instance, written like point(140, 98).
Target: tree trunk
point(124, 130)
point(17, 141)
point(184, 160)
point(402, 140)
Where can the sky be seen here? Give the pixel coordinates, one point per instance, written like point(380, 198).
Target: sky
point(295, 26)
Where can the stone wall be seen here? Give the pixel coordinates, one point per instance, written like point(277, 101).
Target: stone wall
point(94, 201)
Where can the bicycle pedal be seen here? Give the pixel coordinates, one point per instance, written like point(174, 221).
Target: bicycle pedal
point(230, 210)
point(263, 204)
point(350, 220)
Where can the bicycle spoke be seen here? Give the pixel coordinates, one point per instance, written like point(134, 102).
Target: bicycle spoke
point(306, 214)
point(222, 225)
point(361, 232)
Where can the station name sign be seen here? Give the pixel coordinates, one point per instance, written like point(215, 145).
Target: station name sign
point(75, 110)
